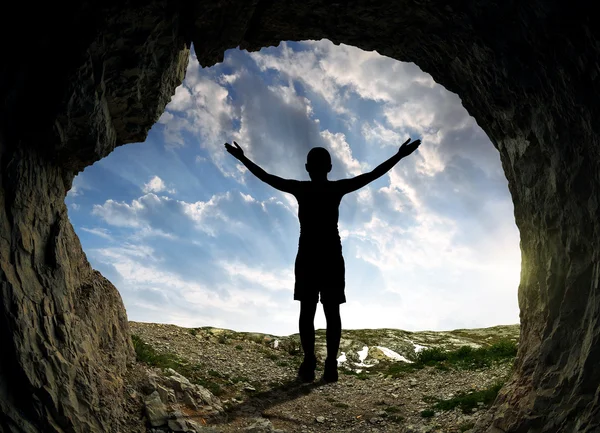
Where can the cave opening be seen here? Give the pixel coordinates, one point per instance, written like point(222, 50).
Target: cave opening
point(190, 238)
point(526, 71)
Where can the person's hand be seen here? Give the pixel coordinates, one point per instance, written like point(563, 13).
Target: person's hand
point(235, 151)
point(407, 147)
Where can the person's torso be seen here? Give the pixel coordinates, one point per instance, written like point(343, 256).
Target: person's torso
point(318, 212)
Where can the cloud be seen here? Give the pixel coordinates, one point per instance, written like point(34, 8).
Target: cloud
point(156, 184)
point(103, 233)
point(200, 112)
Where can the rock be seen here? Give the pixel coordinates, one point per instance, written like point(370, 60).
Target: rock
point(320, 419)
point(178, 425)
point(177, 381)
point(189, 399)
point(163, 392)
point(259, 425)
point(155, 410)
point(197, 428)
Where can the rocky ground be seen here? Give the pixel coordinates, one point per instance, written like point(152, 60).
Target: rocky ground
point(247, 382)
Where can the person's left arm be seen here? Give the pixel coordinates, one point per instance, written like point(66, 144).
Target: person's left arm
point(352, 184)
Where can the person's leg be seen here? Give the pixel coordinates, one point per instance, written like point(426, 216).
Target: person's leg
point(307, 338)
point(333, 335)
point(307, 327)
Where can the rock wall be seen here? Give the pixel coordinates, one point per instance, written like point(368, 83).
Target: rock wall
point(90, 79)
point(527, 71)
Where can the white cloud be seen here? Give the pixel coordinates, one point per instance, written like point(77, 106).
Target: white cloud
point(156, 184)
point(341, 150)
point(202, 108)
point(103, 233)
point(270, 280)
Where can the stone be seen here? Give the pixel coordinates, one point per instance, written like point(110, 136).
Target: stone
point(320, 419)
point(259, 425)
point(177, 381)
point(155, 410)
point(197, 428)
point(163, 392)
point(178, 425)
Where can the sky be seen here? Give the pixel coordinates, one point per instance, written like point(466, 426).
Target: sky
point(190, 237)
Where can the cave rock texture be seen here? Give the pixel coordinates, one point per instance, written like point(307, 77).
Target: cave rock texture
point(79, 78)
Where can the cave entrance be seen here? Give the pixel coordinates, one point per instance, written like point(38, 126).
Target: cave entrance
point(191, 239)
point(527, 71)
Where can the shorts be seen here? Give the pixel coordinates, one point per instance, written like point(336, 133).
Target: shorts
point(320, 272)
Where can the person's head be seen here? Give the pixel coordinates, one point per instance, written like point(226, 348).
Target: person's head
point(318, 163)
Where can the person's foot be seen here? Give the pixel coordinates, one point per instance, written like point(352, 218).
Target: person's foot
point(306, 372)
point(330, 374)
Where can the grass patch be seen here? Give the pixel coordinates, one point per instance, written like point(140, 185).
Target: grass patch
point(213, 387)
point(193, 331)
point(238, 347)
point(427, 413)
point(282, 364)
point(341, 405)
point(194, 372)
point(146, 353)
point(464, 357)
point(466, 426)
point(392, 409)
point(467, 401)
point(237, 379)
point(363, 375)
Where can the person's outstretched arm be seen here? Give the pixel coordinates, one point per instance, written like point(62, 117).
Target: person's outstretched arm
point(285, 185)
point(349, 185)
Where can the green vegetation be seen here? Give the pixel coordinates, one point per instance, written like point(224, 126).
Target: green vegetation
point(193, 331)
point(238, 347)
point(363, 375)
point(466, 426)
point(427, 413)
point(395, 418)
point(392, 409)
point(146, 353)
point(469, 400)
point(464, 357)
point(292, 346)
point(195, 373)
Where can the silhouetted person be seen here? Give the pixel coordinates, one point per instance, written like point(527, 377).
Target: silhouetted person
point(319, 264)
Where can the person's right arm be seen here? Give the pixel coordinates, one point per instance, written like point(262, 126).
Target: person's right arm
point(352, 184)
point(285, 185)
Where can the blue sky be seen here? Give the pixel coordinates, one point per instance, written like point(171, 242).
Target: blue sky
point(190, 237)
